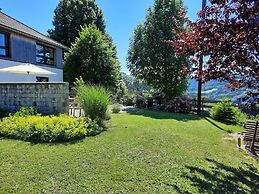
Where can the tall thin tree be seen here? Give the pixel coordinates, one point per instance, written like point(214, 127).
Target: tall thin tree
point(149, 56)
point(199, 98)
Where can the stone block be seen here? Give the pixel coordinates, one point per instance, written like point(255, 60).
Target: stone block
point(48, 98)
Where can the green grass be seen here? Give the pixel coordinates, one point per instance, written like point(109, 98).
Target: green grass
point(143, 152)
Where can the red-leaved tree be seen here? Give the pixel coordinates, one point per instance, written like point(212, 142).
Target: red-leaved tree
point(227, 33)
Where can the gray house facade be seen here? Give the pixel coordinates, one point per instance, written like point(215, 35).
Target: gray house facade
point(21, 44)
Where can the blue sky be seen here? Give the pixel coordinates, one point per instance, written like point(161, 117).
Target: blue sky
point(121, 17)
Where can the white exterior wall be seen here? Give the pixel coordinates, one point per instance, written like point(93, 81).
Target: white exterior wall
point(13, 77)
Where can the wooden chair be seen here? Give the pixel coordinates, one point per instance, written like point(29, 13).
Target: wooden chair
point(251, 134)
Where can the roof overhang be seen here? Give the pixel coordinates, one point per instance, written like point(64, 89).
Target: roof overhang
point(53, 43)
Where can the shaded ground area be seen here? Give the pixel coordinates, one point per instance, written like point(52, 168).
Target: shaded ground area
point(222, 178)
point(144, 152)
point(162, 115)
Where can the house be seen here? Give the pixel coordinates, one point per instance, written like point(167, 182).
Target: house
point(21, 44)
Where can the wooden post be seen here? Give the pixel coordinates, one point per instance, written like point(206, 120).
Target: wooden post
point(254, 137)
point(202, 105)
point(200, 74)
point(199, 86)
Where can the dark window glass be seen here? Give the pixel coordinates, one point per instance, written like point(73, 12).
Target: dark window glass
point(40, 59)
point(49, 52)
point(50, 61)
point(39, 50)
point(4, 45)
point(2, 52)
point(44, 55)
point(42, 79)
point(2, 39)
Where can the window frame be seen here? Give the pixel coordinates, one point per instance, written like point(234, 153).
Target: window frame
point(7, 45)
point(44, 57)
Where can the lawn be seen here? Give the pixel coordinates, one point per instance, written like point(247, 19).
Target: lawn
point(142, 152)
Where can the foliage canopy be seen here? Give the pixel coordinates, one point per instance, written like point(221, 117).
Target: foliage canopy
point(70, 15)
point(227, 33)
point(93, 57)
point(150, 58)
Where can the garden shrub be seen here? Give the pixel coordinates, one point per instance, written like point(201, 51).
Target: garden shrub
point(26, 111)
point(95, 127)
point(128, 100)
point(93, 99)
point(48, 128)
point(225, 112)
point(116, 108)
point(141, 102)
point(178, 105)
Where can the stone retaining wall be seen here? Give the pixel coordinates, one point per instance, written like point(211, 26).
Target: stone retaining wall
point(48, 98)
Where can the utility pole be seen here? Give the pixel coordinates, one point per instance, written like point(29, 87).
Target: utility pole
point(200, 74)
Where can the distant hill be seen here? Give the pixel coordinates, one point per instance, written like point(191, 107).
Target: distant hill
point(133, 85)
point(214, 90)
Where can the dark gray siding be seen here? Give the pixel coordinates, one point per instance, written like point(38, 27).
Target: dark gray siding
point(23, 49)
point(59, 57)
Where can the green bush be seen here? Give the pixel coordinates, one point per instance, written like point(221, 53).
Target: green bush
point(128, 100)
point(93, 99)
point(255, 117)
point(116, 108)
point(48, 129)
point(141, 102)
point(26, 111)
point(95, 127)
point(227, 113)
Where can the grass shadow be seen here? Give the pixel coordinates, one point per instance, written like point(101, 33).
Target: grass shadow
point(164, 115)
point(65, 143)
point(221, 178)
point(44, 143)
point(72, 142)
point(216, 125)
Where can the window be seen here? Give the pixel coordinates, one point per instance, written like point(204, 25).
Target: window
point(42, 79)
point(44, 55)
point(4, 45)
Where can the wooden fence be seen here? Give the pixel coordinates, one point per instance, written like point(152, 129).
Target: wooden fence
point(76, 111)
point(206, 105)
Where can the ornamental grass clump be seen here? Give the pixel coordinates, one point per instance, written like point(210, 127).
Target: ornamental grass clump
point(93, 99)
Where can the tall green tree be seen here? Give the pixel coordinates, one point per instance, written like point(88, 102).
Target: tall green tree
point(150, 57)
point(70, 15)
point(93, 57)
